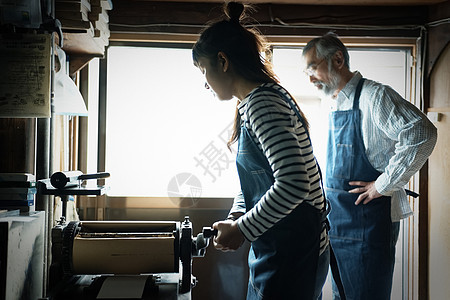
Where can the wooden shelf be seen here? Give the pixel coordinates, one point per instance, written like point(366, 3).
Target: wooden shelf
point(81, 48)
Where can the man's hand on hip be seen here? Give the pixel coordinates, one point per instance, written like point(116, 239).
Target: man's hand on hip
point(367, 191)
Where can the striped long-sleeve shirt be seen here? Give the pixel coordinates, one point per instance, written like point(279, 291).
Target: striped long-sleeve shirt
point(281, 136)
point(397, 136)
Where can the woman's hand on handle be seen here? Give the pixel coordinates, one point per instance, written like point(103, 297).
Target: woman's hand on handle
point(229, 237)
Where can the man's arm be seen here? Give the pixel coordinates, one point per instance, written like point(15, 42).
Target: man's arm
point(414, 135)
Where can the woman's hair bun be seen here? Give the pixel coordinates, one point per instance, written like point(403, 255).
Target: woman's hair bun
point(234, 11)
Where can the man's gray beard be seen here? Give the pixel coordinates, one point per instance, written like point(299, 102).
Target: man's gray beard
point(329, 88)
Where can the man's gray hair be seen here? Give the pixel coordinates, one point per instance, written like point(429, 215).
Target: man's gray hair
point(326, 46)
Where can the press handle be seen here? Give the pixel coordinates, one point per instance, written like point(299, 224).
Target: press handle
point(94, 176)
point(209, 232)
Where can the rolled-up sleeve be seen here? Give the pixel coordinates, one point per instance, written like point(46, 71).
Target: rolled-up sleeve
point(413, 132)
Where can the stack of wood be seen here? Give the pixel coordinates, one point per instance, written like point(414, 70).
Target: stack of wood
point(86, 17)
point(100, 19)
point(74, 15)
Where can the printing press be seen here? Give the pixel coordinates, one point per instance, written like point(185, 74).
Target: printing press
point(156, 257)
point(121, 259)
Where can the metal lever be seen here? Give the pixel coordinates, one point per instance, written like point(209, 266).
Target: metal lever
point(94, 176)
point(67, 179)
point(201, 242)
point(209, 232)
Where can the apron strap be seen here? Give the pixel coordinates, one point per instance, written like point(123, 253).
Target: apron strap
point(357, 94)
point(336, 275)
point(411, 193)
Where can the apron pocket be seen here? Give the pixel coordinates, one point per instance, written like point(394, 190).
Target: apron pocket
point(346, 218)
point(342, 161)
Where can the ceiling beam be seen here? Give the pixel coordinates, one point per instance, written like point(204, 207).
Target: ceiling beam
point(271, 19)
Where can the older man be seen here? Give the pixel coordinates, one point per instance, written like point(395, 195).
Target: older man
point(377, 141)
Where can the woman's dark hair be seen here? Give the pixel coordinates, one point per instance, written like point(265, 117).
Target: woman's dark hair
point(244, 47)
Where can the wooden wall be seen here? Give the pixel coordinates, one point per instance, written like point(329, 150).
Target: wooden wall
point(439, 183)
point(437, 94)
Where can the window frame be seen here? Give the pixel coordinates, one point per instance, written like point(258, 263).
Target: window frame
point(412, 241)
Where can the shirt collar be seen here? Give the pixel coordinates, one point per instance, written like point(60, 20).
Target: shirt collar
point(349, 90)
point(244, 101)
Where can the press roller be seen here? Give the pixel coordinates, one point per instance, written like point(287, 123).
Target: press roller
point(127, 248)
point(122, 248)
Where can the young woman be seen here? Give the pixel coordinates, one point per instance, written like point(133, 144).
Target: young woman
point(281, 207)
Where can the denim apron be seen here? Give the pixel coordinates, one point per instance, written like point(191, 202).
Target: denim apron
point(360, 235)
point(282, 261)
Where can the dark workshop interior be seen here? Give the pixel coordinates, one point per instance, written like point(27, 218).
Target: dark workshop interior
point(82, 98)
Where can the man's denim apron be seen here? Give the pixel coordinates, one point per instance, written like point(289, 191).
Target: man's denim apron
point(360, 234)
point(289, 247)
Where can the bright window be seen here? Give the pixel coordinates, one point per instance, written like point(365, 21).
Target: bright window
point(166, 134)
